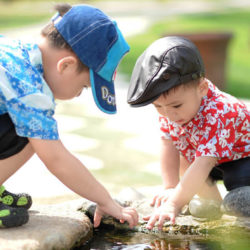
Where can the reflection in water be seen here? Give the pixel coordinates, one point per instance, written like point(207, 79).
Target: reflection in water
point(110, 239)
point(178, 244)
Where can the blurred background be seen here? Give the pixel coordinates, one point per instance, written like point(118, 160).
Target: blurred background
point(123, 150)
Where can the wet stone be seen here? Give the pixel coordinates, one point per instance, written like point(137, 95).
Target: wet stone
point(203, 208)
point(237, 202)
point(185, 224)
point(58, 226)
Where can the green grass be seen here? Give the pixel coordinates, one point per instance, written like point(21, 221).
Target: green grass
point(19, 13)
point(237, 22)
point(7, 22)
point(15, 14)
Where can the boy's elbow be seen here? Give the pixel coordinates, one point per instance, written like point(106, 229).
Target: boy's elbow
point(207, 161)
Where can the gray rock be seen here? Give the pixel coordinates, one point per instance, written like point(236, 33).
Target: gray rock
point(129, 194)
point(185, 224)
point(49, 227)
point(203, 208)
point(237, 202)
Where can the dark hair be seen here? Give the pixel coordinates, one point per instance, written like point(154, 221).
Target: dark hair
point(189, 84)
point(54, 37)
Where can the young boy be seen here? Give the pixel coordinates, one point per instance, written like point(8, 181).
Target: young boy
point(80, 48)
point(203, 129)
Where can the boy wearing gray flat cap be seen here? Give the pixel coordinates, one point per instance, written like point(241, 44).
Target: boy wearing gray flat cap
point(205, 132)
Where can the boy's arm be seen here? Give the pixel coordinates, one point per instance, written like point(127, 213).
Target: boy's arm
point(189, 185)
point(193, 179)
point(169, 162)
point(70, 171)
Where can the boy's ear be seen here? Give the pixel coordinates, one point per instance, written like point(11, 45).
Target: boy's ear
point(67, 63)
point(203, 87)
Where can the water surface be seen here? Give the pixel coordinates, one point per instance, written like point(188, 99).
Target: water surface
point(110, 239)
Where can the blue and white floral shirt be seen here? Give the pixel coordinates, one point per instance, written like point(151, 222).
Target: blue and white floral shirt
point(24, 94)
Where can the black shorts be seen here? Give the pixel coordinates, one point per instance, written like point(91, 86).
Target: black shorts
point(234, 173)
point(10, 142)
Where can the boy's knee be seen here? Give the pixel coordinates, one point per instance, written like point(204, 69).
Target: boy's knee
point(28, 150)
point(210, 181)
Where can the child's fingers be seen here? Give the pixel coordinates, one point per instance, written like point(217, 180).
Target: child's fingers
point(165, 199)
point(152, 221)
point(131, 221)
point(152, 203)
point(172, 218)
point(161, 199)
point(97, 219)
point(162, 219)
point(158, 202)
point(146, 218)
point(131, 216)
point(135, 216)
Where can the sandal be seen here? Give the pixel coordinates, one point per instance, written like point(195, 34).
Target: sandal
point(12, 217)
point(21, 200)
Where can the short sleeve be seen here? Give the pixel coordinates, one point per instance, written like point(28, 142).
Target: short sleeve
point(24, 94)
point(164, 128)
point(32, 122)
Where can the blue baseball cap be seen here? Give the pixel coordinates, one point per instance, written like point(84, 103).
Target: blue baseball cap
point(99, 44)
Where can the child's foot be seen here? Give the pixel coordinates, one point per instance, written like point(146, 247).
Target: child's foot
point(12, 217)
point(21, 200)
point(206, 209)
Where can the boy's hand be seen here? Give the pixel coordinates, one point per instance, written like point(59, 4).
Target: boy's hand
point(123, 214)
point(161, 197)
point(167, 211)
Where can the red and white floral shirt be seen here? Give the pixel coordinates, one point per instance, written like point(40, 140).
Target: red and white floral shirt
point(221, 129)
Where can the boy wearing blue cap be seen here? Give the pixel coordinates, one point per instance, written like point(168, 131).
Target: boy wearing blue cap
point(205, 132)
point(80, 48)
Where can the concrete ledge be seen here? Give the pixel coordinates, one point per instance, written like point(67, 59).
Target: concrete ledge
point(50, 227)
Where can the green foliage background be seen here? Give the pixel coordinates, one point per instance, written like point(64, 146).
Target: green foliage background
point(238, 56)
point(18, 13)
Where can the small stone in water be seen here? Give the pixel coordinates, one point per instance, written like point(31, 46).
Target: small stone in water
point(203, 208)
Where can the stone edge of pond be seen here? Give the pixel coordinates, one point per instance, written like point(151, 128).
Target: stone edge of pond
point(185, 224)
point(58, 226)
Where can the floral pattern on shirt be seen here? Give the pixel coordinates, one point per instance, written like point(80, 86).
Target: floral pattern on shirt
point(24, 94)
point(221, 129)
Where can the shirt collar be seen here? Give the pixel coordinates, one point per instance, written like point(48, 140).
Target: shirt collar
point(36, 61)
point(35, 57)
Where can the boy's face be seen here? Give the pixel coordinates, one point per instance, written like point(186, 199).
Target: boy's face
point(183, 103)
point(75, 84)
point(68, 83)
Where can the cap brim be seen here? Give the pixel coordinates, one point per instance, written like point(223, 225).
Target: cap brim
point(141, 104)
point(103, 93)
point(142, 97)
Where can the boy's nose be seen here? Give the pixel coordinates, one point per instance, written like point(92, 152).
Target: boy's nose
point(171, 115)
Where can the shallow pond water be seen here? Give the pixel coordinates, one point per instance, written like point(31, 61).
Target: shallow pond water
point(115, 240)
